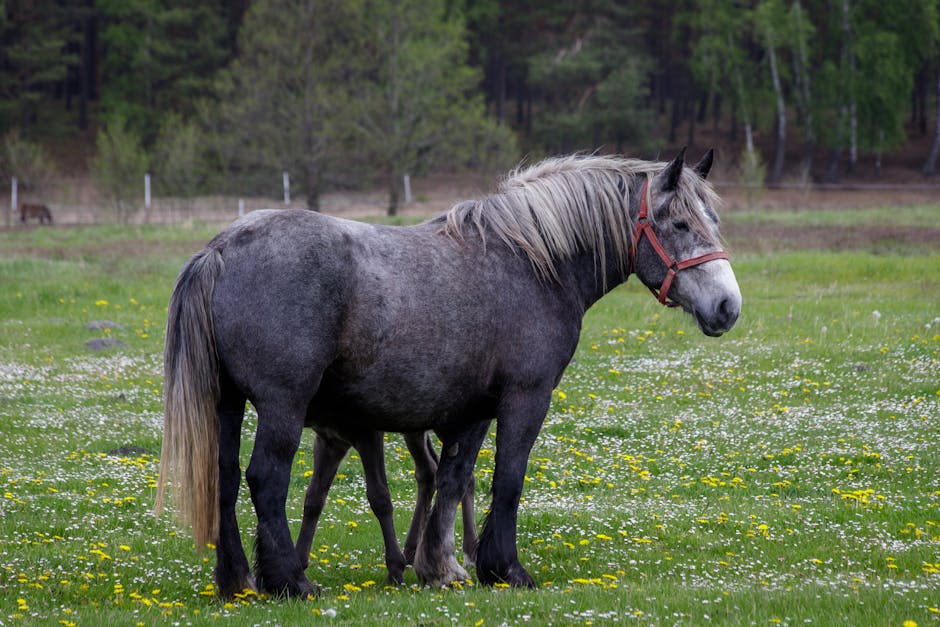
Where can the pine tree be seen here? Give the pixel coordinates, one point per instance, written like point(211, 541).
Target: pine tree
point(592, 81)
point(33, 39)
point(284, 104)
point(159, 57)
point(419, 101)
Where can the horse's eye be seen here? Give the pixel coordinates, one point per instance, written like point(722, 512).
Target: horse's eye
point(680, 225)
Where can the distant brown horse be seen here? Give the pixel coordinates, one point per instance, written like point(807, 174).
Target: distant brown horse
point(35, 210)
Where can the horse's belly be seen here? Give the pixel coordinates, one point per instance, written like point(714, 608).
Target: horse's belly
point(399, 403)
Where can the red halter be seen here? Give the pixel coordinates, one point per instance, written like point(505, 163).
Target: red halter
point(673, 267)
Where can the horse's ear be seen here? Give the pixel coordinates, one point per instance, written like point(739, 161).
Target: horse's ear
point(704, 166)
point(668, 179)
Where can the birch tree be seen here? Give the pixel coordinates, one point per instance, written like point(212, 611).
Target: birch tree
point(770, 22)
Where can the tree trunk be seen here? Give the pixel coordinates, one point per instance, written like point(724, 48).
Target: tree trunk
point(308, 140)
point(930, 166)
point(776, 172)
point(395, 155)
point(853, 136)
point(84, 72)
point(805, 98)
point(500, 104)
point(313, 187)
point(848, 60)
point(920, 99)
point(832, 170)
point(674, 119)
point(393, 193)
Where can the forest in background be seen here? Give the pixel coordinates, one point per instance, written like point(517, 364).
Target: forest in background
point(228, 94)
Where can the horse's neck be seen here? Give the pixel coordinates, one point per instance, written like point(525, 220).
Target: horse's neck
point(586, 277)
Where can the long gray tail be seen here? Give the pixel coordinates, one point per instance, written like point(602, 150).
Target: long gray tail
point(189, 458)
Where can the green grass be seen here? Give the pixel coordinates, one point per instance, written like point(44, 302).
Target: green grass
point(785, 473)
point(916, 215)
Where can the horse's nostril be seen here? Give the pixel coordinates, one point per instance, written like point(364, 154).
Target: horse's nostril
point(727, 311)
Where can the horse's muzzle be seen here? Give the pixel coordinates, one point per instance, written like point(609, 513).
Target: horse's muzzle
point(716, 320)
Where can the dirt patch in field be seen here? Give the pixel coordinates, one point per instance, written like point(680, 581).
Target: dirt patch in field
point(775, 237)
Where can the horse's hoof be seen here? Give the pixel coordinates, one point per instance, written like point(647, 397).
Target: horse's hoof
point(310, 592)
point(453, 573)
point(229, 591)
point(515, 576)
point(396, 563)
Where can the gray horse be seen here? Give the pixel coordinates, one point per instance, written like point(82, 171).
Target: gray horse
point(470, 317)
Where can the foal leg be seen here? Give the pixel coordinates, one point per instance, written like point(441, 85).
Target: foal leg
point(328, 453)
point(372, 451)
point(422, 451)
point(232, 574)
point(435, 563)
point(470, 540)
point(277, 569)
point(521, 417)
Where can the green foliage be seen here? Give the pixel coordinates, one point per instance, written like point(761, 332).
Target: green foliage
point(179, 164)
point(419, 103)
point(26, 160)
point(283, 105)
point(752, 172)
point(160, 57)
point(594, 83)
point(339, 93)
point(381, 88)
point(33, 38)
point(119, 168)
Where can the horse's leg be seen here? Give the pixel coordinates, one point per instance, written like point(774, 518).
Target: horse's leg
point(435, 563)
point(470, 540)
point(277, 567)
point(520, 418)
point(372, 451)
point(422, 451)
point(328, 453)
point(232, 573)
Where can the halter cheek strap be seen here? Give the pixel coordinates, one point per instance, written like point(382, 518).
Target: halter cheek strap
point(673, 267)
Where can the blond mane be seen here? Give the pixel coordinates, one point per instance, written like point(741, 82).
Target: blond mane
point(561, 206)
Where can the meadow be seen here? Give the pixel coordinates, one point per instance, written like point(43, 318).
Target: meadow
point(787, 473)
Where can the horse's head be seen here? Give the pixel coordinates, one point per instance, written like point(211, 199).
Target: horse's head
point(677, 252)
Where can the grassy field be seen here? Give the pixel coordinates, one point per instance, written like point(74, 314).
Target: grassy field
point(786, 473)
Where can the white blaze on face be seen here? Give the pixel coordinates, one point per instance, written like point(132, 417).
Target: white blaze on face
point(711, 290)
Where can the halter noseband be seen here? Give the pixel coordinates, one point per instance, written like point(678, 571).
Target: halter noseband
point(673, 267)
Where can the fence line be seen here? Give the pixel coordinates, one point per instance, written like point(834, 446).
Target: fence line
point(77, 200)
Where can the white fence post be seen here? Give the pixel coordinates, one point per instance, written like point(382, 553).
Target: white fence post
point(147, 191)
point(241, 207)
point(407, 189)
point(286, 188)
